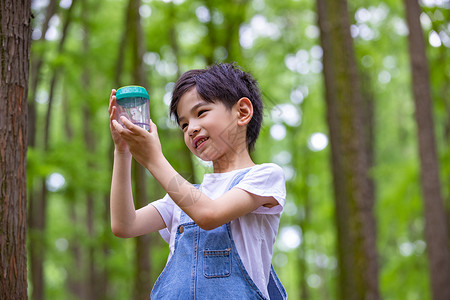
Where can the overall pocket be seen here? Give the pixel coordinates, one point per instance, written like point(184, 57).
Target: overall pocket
point(216, 263)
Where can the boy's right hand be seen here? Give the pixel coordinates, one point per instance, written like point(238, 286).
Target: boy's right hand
point(120, 145)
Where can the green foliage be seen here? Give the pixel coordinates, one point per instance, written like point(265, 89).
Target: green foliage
point(278, 42)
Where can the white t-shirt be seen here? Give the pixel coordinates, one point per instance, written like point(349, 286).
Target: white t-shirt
point(254, 234)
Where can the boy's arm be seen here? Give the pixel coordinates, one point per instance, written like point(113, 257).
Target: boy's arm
point(127, 222)
point(207, 213)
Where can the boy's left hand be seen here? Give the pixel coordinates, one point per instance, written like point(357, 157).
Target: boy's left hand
point(144, 145)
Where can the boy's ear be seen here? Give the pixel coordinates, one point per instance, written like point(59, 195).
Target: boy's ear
point(245, 111)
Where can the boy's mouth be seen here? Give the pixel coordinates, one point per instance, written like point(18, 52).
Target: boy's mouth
point(200, 140)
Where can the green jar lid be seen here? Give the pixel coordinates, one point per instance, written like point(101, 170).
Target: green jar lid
point(131, 91)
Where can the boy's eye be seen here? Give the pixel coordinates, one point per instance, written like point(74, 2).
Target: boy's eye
point(201, 112)
point(183, 126)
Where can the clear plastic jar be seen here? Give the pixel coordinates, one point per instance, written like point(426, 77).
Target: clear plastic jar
point(134, 105)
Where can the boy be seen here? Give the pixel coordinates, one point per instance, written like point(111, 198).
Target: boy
point(220, 234)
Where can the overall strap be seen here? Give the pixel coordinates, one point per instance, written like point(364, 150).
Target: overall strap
point(237, 178)
point(275, 287)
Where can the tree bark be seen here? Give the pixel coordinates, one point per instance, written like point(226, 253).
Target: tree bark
point(436, 233)
point(15, 40)
point(353, 188)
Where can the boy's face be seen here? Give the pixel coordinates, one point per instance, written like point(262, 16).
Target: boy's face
point(210, 129)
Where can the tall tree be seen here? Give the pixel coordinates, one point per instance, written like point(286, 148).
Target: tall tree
point(38, 203)
point(74, 284)
point(212, 33)
point(234, 15)
point(436, 230)
point(142, 254)
point(37, 61)
point(353, 190)
point(185, 153)
point(15, 40)
point(95, 288)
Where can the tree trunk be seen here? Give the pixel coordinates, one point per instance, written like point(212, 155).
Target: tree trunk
point(106, 199)
point(304, 222)
point(142, 259)
point(36, 66)
point(234, 19)
point(185, 153)
point(38, 208)
point(73, 281)
point(211, 36)
point(15, 39)
point(34, 198)
point(436, 233)
point(91, 281)
point(353, 189)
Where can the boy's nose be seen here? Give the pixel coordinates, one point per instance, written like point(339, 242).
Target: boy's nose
point(193, 130)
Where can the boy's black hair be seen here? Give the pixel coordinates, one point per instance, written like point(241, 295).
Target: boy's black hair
point(226, 83)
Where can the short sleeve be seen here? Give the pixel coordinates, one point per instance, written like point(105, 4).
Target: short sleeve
point(165, 207)
point(266, 180)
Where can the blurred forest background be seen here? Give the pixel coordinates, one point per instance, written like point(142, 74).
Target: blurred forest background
point(81, 49)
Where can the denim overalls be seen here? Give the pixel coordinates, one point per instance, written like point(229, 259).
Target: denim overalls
point(206, 265)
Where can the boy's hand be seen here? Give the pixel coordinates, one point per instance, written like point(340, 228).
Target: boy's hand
point(144, 145)
point(120, 145)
